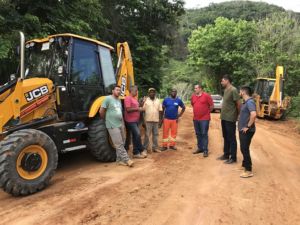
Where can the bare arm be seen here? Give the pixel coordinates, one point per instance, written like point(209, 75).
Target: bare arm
point(161, 116)
point(131, 109)
point(102, 113)
point(163, 112)
point(252, 118)
point(181, 112)
point(251, 121)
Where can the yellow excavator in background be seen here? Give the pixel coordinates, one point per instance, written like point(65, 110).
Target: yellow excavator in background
point(53, 107)
point(269, 96)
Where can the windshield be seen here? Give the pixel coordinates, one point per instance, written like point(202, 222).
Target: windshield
point(107, 68)
point(43, 60)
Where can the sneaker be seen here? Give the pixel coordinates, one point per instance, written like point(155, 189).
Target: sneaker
point(156, 150)
point(205, 154)
point(121, 163)
point(197, 151)
point(144, 153)
point(241, 168)
point(246, 174)
point(230, 161)
point(138, 156)
point(222, 157)
point(163, 149)
point(130, 163)
point(172, 148)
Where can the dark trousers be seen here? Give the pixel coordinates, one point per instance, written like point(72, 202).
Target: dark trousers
point(128, 138)
point(245, 140)
point(201, 129)
point(230, 145)
point(133, 128)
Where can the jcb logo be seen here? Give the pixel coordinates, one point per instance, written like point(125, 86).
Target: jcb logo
point(123, 86)
point(36, 93)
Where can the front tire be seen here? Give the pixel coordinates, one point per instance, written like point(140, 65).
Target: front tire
point(99, 144)
point(28, 160)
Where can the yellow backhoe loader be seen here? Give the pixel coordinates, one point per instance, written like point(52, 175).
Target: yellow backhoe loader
point(269, 96)
point(52, 107)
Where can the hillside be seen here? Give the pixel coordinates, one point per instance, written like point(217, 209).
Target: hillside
point(245, 10)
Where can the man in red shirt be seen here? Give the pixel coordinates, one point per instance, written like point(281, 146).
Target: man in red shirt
point(202, 106)
point(132, 117)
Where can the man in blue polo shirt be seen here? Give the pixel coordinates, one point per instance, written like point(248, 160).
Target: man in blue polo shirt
point(170, 119)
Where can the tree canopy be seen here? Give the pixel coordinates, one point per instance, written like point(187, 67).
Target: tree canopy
point(224, 48)
point(146, 25)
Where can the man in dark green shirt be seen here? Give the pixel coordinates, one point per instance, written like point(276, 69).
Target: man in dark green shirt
point(229, 115)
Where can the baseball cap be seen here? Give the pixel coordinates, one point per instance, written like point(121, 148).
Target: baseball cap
point(151, 89)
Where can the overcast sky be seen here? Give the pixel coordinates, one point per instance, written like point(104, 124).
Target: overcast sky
point(287, 4)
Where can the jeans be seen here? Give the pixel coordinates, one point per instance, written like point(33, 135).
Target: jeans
point(151, 128)
point(117, 136)
point(201, 129)
point(128, 137)
point(133, 128)
point(245, 140)
point(230, 144)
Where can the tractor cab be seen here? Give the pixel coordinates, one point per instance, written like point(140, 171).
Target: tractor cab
point(264, 88)
point(80, 68)
point(269, 96)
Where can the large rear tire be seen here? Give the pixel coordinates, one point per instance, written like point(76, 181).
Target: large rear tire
point(99, 143)
point(28, 160)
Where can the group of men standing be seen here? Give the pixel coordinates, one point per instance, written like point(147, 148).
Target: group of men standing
point(155, 114)
point(167, 114)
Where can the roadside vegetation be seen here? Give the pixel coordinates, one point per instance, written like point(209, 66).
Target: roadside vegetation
point(171, 46)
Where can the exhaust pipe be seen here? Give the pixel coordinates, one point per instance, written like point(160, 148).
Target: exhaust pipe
point(22, 55)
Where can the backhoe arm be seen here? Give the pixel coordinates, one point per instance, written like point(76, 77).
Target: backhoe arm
point(124, 70)
point(276, 96)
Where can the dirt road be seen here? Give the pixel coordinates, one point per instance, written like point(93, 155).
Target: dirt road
point(173, 187)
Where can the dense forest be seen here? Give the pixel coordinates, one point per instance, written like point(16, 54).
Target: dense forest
point(146, 25)
point(171, 46)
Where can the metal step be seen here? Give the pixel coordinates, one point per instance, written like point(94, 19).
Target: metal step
point(77, 130)
point(73, 148)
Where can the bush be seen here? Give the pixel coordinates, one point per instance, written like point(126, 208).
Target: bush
point(294, 110)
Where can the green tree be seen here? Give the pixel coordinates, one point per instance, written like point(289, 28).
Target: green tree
point(38, 18)
point(147, 26)
point(278, 43)
point(224, 48)
point(245, 10)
